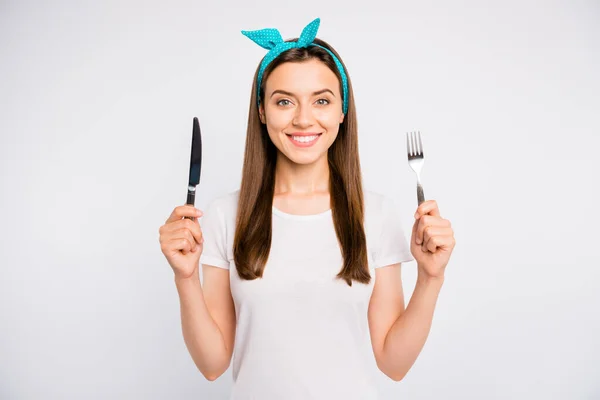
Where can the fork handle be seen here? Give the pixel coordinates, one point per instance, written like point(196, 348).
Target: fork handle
point(420, 194)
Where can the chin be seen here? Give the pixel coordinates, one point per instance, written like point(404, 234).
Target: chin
point(304, 159)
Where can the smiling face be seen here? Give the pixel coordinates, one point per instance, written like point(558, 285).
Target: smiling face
point(302, 110)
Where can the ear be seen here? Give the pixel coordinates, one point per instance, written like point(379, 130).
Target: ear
point(342, 118)
point(261, 113)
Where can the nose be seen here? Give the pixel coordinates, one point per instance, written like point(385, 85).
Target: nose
point(303, 116)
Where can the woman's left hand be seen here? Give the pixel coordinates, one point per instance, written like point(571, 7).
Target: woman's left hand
point(432, 240)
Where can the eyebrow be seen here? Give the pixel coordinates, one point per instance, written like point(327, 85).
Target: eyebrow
point(318, 92)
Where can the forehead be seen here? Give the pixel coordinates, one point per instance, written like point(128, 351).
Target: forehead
point(299, 77)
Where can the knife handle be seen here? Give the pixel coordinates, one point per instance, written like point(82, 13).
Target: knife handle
point(420, 194)
point(191, 198)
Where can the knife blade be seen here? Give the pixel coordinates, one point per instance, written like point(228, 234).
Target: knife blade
point(195, 163)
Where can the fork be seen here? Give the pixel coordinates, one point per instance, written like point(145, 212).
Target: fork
point(414, 148)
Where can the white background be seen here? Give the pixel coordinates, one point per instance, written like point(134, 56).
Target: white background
point(97, 102)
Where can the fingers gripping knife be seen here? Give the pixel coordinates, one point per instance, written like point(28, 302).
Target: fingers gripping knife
point(195, 163)
point(416, 159)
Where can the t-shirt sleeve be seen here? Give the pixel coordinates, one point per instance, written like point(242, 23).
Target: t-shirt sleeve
point(392, 246)
point(214, 232)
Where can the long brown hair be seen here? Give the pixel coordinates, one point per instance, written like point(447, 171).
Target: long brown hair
point(252, 241)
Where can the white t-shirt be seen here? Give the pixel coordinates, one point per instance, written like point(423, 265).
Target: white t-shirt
point(301, 333)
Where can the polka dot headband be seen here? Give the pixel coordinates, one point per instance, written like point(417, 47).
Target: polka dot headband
point(271, 40)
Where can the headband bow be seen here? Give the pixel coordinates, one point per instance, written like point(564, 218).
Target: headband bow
point(271, 40)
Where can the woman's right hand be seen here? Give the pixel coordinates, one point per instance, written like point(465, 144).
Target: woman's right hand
point(181, 241)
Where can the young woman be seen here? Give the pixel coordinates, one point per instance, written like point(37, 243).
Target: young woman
point(300, 266)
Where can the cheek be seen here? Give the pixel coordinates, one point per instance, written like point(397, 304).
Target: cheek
point(276, 124)
point(329, 120)
point(278, 121)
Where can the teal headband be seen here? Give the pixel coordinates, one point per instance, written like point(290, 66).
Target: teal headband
point(271, 40)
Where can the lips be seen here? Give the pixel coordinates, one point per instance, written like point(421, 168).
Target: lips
point(303, 139)
point(303, 133)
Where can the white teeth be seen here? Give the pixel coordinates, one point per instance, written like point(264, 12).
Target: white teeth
point(305, 139)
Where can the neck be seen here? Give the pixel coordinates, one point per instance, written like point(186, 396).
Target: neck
point(301, 179)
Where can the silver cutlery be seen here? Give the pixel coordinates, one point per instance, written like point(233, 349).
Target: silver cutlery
point(414, 147)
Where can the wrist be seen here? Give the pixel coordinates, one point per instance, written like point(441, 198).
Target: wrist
point(193, 279)
point(429, 280)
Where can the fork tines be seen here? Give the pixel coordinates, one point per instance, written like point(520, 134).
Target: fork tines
point(414, 145)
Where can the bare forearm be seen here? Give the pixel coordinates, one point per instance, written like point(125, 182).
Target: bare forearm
point(407, 336)
point(201, 334)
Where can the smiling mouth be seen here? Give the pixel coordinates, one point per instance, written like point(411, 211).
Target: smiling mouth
point(304, 138)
